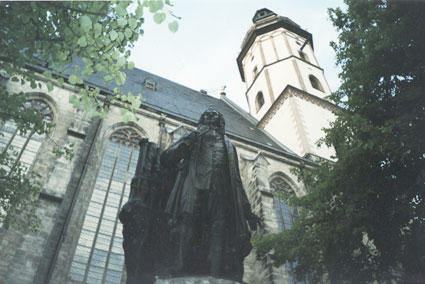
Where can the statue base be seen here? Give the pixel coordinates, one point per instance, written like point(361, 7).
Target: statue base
point(195, 280)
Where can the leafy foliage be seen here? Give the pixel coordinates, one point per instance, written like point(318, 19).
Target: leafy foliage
point(363, 219)
point(52, 35)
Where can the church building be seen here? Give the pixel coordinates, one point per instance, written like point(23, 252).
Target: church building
point(80, 239)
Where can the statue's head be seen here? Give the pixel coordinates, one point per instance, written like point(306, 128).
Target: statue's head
point(213, 118)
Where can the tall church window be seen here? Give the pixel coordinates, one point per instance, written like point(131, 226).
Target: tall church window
point(24, 147)
point(99, 256)
point(259, 101)
point(315, 83)
point(285, 215)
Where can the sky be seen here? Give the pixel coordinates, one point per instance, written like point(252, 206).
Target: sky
point(202, 53)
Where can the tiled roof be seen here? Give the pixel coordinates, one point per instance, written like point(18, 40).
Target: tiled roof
point(184, 103)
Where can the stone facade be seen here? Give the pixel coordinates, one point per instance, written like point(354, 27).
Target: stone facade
point(69, 186)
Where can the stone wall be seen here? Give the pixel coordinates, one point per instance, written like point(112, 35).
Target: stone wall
point(68, 185)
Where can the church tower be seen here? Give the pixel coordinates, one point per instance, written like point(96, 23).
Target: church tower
point(285, 86)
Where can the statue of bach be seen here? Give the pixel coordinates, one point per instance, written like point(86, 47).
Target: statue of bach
point(190, 215)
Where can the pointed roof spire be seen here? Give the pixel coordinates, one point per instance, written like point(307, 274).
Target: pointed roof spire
point(262, 14)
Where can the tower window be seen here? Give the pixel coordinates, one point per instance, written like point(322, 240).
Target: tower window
point(303, 56)
point(255, 71)
point(259, 101)
point(315, 83)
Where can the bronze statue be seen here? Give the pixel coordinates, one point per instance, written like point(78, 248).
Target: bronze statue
point(206, 208)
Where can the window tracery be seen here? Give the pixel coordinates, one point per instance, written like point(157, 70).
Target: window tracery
point(99, 256)
point(23, 147)
point(286, 215)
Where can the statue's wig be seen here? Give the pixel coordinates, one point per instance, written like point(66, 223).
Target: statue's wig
point(221, 122)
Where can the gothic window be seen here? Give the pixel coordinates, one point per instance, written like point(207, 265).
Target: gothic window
point(24, 147)
point(286, 215)
point(315, 83)
point(99, 256)
point(259, 101)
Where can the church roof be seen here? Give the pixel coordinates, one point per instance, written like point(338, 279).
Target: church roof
point(186, 104)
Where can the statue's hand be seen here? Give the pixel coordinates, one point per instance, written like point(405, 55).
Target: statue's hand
point(254, 222)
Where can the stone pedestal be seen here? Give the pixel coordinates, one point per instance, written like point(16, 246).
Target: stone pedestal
point(195, 280)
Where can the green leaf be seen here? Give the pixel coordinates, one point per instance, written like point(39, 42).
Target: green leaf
point(159, 17)
point(73, 99)
point(173, 26)
point(128, 33)
point(139, 11)
point(108, 78)
point(49, 86)
point(120, 80)
point(155, 6)
point(122, 22)
point(116, 55)
point(47, 74)
point(113, 35)
point(121, 62)
point(135, 102)
point(120, 10)
point(60, 82)
point(120, 36)
point(123, 111)
point(73, 79)
point(97, 30)
point(82, 41)
point(86, 23)
point(130, 65)
point(132, 22)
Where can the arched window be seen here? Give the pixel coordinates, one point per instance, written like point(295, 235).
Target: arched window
point(285, 215)
point(303, 56)
point(259, 101)
point(24, 147)
point(315, 83)
point(99, 256)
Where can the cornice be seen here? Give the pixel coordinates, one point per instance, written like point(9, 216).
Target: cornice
point(292, 91)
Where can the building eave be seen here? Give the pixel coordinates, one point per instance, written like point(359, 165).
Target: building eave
point(292, 91)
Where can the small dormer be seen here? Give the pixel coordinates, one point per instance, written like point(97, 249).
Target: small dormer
point(262, 14)
point(150, 84)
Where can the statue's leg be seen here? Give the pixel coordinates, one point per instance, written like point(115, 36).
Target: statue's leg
point(216, 212)
point(216, 247)
point(183, 251)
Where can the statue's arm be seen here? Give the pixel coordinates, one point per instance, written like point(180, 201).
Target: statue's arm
point(179, 150)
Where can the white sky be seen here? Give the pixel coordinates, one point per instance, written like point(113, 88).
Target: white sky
point(202, 53)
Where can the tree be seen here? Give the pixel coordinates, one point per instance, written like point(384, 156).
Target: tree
point(53, 35)
point(363, 219)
